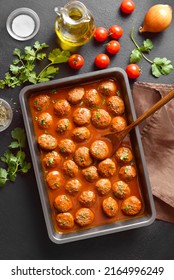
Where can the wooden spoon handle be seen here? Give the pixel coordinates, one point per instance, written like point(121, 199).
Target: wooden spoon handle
point(152, 110)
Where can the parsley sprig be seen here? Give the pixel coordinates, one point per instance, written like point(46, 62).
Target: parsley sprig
point(22, 69)
point(160, 66)
point(15, 162)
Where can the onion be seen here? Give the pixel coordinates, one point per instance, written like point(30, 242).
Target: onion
point(157, 18)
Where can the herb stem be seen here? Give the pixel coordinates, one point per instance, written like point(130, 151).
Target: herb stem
point(48, 65)
point(138, 47)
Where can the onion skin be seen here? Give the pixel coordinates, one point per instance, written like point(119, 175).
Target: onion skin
point(157, 18)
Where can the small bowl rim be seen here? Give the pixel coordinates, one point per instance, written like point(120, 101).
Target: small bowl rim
point(9, 120)
point(21, 11)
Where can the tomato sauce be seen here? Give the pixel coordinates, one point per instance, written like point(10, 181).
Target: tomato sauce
point(100, 217)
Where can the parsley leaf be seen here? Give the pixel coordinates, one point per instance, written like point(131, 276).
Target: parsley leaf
point(15, 162)
point(22, 69)
point(160, 66)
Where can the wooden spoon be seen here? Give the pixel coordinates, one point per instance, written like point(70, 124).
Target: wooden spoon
point(117, 137)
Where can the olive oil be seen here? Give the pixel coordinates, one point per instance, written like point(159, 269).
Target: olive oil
point(74, 26)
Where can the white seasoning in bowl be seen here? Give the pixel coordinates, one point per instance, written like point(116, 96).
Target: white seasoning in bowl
point(4, 115)
point(23, 25)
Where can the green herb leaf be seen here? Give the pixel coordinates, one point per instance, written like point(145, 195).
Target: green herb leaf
point(147, 46)
point(58, 56)
point(135, 56)
point(19, 135)
point(161, 66)
point(3, 176)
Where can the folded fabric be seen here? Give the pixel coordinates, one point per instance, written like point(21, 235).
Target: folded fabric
point(158, 141)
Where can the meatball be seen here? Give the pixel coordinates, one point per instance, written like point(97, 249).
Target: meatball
point(82, 157)
point(73, 186)
point(54, 180)
point(47, 142)
point(101, 118)
point(107, 88)
point(99, 150)
point(52, 159)
point(107, 167)
point(90, 173)
point(81, 134)
point(123, 155)
point(75, 95)
point(115, 105)
point(118, 123)
point(70, 168)
point(127, 172)
point(110, 206)
point(84, 217)
point(45, 120)
point(62, 108)
point(65, 220)
point(121, 189)
point(103, 186)
point(92, 98)
point(63, 125)
point(66, 146)
point(82, 116)
point(131, 206)
point(63, 203)
point(41, 102)
point(87, 198)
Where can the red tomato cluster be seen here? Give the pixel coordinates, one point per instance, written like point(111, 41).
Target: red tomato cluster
point(101, 34)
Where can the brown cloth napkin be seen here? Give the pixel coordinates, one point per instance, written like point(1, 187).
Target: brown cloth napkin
point(157, 134)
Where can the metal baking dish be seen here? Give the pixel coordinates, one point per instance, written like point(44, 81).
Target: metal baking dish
point(149, 216)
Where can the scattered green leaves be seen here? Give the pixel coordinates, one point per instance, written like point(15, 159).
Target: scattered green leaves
point(160, 66)
point(22, 69)
point(15, 162)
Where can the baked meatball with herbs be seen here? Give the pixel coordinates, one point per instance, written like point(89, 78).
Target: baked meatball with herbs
point(73, 186)
point(82, 116)
point(107, 88)
point(62, 108)
point(70, 168)
point(84, 217)
point(92, 98)
point(63, 125)
point(101, 118)
point(47, 142)
point(121, 189)
point(124, 155)
point(127, 172)
point(63, 203)
point(90, 173)
point(75, 95)
point(99, 149)
point(115, 105)
point(41, 102)
point(103, 186)
point(107, 167)
point(52, 159)
point(110, 206)
point(87, 198)
point(82, 157)
point(80, 134)
point(118, 123)
point(45, 120)
point(66, 146)
point(131, 206)
point(54, 180)
point(65, 220)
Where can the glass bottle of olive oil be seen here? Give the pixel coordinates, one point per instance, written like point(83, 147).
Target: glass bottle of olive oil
point(74, 25)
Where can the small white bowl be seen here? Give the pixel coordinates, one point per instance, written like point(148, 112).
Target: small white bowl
point(23, 24)
point(9, 115)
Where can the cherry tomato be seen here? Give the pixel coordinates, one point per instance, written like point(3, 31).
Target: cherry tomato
point(76, 61)
point(102, 60)
point(127, 6)
point(115, 31)
point(133, 71)
point(101, 34)
point(113, 47)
